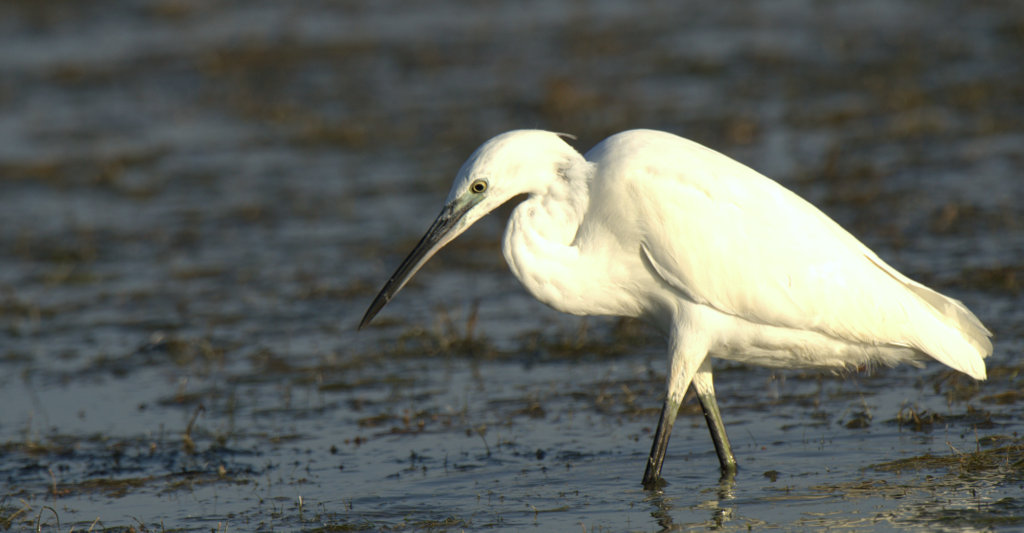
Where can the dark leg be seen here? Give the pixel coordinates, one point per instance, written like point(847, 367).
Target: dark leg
point(657, 457)
point(703, 385)
point(705, 389)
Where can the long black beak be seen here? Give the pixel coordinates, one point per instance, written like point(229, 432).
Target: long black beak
point(427, 247)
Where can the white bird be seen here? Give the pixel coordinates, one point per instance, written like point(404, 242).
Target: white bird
point(723, 260)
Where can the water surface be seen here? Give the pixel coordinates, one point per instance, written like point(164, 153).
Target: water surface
point(199, 200)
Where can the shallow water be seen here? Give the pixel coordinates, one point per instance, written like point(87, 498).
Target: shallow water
point(199, 200)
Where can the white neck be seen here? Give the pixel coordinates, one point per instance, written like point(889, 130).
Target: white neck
point(539, 243)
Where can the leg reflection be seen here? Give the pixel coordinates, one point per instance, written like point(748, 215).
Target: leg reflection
point(721, 511)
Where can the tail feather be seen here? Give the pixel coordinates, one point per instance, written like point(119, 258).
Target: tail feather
point(949, 332)
point(962, 342)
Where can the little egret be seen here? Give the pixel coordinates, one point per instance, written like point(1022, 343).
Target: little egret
point(724, 261)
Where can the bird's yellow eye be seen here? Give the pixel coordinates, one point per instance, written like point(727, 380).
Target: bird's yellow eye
point(478, 186)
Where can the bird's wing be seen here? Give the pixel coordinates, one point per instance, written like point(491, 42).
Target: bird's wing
point(756, 251)
point(729, 238)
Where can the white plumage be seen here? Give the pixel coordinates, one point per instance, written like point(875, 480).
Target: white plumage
point(725, 261)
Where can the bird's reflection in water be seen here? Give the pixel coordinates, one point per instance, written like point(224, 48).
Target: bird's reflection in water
point(721, 506)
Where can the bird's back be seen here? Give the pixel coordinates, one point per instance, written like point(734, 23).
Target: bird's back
point(724, 236)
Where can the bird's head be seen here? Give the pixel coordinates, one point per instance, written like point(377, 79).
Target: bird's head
point(508, 165)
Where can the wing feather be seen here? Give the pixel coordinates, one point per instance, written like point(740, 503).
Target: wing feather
point(727, 237)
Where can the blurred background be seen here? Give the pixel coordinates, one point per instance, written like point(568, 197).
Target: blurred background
point(198, 200)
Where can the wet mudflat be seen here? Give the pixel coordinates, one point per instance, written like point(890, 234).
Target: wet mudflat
point(198, 201)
